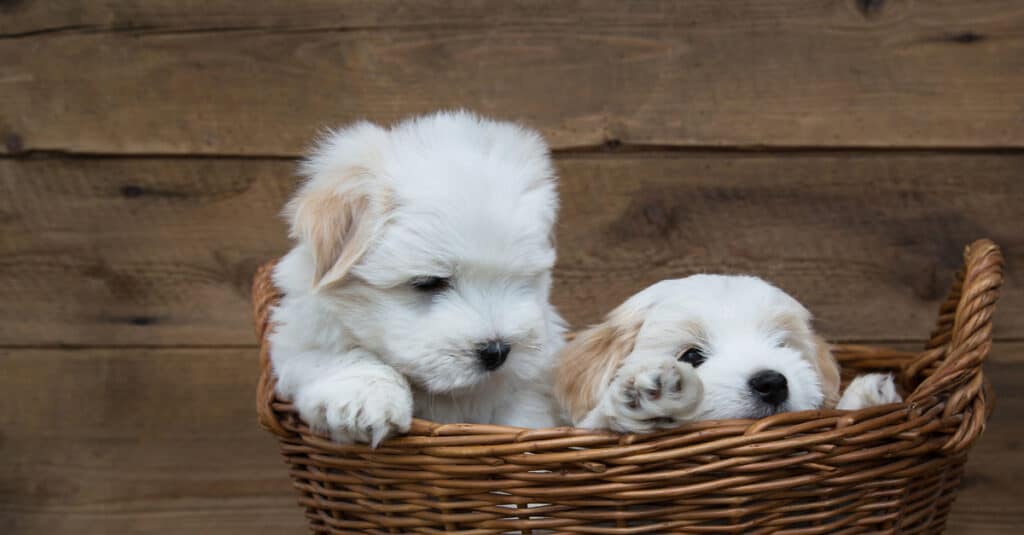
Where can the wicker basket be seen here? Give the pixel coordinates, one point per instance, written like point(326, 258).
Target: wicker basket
point(888, 469)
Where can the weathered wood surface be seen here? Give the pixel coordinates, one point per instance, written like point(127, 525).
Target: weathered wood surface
point(160, 78)
point(138, 441)
point(991, 496)
point(161, 251)
point(27, 17)
point(146, 252)
point(109, 441)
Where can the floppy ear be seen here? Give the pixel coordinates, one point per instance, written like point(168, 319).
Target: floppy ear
point(828, 370)
point(587, 364)
point(818, 351)
point(343, 205)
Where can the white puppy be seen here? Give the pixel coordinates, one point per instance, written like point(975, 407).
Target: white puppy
point(419, 282)
point(699, 348)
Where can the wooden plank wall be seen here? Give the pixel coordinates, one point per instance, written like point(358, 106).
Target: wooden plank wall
point(844, 149)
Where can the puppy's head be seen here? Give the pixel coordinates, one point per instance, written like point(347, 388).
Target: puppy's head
point(431, 241)
point(750, 343)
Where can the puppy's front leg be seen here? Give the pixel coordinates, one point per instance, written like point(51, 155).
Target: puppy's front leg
point(354, 398)
point(647, 393)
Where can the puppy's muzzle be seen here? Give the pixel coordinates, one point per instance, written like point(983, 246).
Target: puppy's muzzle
point(770, 387)
point(493, 353)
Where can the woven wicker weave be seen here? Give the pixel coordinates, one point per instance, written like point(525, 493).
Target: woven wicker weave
point(888, 469)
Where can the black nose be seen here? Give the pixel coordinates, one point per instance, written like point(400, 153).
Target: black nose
point(770, 386)
point(493, 353)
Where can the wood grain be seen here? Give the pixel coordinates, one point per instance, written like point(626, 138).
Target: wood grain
point(138, 441)
point(784, 74)
point(991, 496)
point(868, 242)
point(135, 252)
point(101, 441)
point(27, 17)
point(161, 251)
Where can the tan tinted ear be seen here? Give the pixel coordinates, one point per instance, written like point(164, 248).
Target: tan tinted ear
point(828, 369)
point(338, 219)
point(587, 364)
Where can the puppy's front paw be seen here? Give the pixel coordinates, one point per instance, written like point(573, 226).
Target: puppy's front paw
point(868, 391)
point(357, 409)
point(652, 394)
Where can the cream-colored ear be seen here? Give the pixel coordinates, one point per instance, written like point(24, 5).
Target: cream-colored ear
point(342, 205)
point(587, 364)
point(828, 369)
point(337, 221)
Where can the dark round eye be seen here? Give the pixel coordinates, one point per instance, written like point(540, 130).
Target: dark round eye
point(693, 356)
point(430, 284)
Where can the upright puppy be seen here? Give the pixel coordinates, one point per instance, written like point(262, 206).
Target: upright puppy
point(420, 278)
point(704, 347)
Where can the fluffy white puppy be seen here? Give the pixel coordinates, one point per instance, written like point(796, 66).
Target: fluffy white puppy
point(419, 282)
point(699, 348)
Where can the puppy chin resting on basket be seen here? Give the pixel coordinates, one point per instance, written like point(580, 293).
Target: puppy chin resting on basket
point(704, 347)
point(419, 283)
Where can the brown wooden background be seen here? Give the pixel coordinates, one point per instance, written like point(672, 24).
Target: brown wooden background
point(844, 149)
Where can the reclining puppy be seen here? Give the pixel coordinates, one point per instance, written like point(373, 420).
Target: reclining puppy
point(700, 348)
point(420, 278)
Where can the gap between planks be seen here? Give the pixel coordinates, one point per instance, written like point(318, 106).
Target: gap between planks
point(610, 148)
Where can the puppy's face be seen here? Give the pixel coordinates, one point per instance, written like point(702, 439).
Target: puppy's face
point(451, 285)
point(750, 343)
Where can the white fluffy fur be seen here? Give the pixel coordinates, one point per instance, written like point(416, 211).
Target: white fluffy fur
point(868, 391)
point(742, 324)
point(358, 349)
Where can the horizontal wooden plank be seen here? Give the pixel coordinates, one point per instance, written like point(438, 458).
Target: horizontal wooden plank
point(161, 251)
point(138, 441)
point(103, 441)
point(869, 243)
point(792, 73)
point(135, 252)
point(27, 17)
